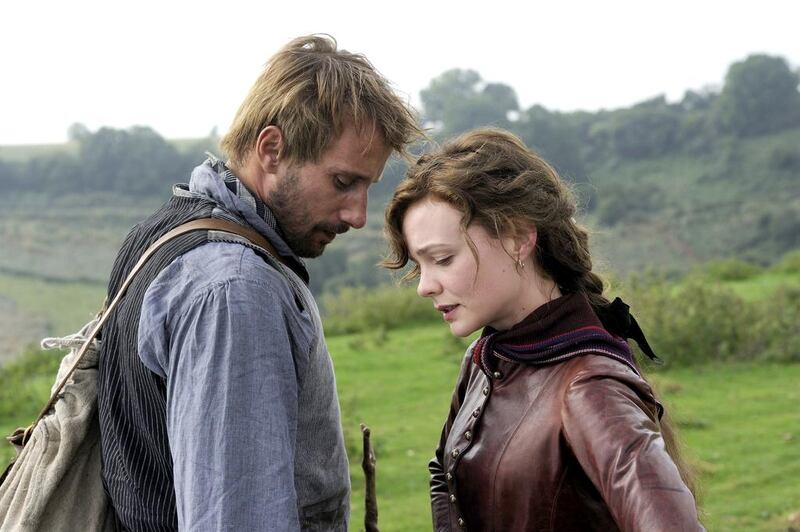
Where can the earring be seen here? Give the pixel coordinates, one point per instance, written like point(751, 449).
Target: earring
point(520, 264)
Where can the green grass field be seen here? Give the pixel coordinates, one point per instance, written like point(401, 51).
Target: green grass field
point(740, 424)
point(32, 308)
point(741, 427)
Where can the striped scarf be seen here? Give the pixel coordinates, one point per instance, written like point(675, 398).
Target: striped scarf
point(561, 329)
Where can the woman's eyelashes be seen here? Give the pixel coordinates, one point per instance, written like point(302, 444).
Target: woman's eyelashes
point(444, 261)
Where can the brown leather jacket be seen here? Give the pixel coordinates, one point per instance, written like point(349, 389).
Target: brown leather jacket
point(574, 445)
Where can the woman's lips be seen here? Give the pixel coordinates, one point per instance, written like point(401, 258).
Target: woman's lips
point(448, 311)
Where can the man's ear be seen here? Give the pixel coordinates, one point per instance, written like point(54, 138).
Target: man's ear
point(268, 148)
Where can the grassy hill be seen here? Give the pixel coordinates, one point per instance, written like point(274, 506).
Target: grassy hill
point(732, 197)
point(741, 199)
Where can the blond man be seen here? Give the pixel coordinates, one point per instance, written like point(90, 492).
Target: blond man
point(217, 396)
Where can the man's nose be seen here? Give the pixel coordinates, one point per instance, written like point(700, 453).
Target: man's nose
point(354, 213)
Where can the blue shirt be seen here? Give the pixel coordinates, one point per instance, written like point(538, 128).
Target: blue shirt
point(252, 415)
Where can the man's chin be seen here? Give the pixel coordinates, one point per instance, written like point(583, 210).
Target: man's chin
point(311, 245)
point(313, 253)
point(310, 249)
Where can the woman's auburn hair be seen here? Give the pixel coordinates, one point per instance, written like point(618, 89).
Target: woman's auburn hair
point(311, 91)
point(494, 180)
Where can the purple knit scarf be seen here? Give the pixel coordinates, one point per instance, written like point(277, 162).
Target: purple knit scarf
point(561, 329)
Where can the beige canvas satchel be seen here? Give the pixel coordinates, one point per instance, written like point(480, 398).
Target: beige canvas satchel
point(55, 482)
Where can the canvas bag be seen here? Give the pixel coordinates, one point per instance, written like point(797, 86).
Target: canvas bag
point(55, 482)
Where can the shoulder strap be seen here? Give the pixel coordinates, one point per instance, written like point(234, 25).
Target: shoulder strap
point(201, 224)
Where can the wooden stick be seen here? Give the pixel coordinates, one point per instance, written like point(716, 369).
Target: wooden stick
point(370, 498)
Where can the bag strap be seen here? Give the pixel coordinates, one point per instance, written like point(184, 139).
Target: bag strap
point(201, 224)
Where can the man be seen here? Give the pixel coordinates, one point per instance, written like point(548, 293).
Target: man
point(217, 398)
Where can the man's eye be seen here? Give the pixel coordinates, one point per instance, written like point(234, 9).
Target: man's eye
point(445, 261)
point(342, 183)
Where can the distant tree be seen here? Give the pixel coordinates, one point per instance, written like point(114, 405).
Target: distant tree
point(56, 173)
point(380, 192)
point(628, 203)
point(698, 100)
point(697, 132)
point(785, 157)
point(596, 136)
point(77, 132)
point(137, 160)
point(459, 100)
point(648, 129)
point(555, 137)
point(194, 153)
point(760, 96)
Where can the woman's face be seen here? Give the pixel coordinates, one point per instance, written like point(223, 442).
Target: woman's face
point(470, 296)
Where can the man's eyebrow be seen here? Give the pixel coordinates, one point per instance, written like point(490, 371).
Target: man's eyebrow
point(354, 175)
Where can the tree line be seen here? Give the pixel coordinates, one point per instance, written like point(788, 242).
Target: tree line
point(132, 162)
point(759, 97)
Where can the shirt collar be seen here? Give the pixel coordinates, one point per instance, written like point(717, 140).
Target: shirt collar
point(214, 179)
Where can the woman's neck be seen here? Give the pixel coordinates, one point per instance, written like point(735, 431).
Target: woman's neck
point(535, 290)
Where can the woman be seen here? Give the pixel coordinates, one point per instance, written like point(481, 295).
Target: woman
point(551, 426)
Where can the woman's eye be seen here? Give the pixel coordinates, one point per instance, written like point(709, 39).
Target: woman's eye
point(445, 261)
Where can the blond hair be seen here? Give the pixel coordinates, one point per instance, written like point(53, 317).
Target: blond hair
point(311, 91)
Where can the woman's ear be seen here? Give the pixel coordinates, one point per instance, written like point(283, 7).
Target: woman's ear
point(268, 149)
point(526, 243)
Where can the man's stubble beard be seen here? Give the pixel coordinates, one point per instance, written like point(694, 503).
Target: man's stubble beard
point(295, 221)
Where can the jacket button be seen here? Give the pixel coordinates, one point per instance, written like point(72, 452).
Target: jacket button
point(468, 435)
point(497, 375)
point(460, 522)
point(449, 477)
point(452, 498)
point(485, 390)
point(454, 453)
point(476, 412)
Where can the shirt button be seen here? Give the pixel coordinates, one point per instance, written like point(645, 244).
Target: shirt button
point(497, 375)
point(454, 453)
point(452, 498)
point(449, 477)
point(476, 412)
point(468, 435)
point(461, 522)
point(485, 390)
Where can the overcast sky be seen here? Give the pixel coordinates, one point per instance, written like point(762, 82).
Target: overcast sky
point(184, 67)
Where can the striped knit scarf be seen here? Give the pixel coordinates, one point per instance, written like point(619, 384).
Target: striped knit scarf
point(558, 330)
